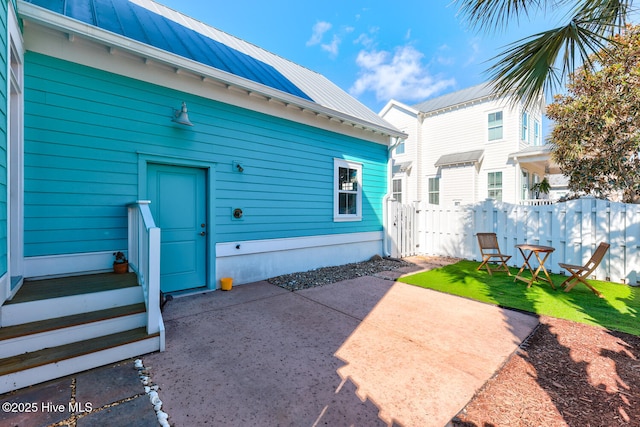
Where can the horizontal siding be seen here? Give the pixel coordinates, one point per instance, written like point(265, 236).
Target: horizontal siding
point(84, 129)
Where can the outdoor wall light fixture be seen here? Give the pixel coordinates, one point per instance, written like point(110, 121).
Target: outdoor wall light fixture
point(181, 117)
point(238, 167)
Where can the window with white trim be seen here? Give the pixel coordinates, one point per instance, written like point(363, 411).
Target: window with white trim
point(536, 132)
point(525, 185)
point(494, 188)
point(525, 127)
point(396, 191)
point(434, 191)
point(347, 190)
point(495, 126)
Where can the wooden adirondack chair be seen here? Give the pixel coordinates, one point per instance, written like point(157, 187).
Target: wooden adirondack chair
point(490, 250)
point(579, 273)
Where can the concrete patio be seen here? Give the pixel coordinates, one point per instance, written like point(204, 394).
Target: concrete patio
point(368, 351)
point(365, 352)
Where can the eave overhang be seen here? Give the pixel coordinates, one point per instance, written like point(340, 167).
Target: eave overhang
point(74, 28)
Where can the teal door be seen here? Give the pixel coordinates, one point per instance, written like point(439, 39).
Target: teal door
point(178, 205)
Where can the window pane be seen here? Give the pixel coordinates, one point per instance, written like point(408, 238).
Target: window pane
point(434, 191)
point(347, 204)
point(495, 125)
point(494, 190)
point(347, 179)
point(397, 190)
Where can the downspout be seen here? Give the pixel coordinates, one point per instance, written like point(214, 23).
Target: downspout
point(385, 211)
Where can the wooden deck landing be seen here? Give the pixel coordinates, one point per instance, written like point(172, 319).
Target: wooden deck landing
point(34, 290)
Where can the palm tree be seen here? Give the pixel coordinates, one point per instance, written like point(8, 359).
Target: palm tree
point(538, 64)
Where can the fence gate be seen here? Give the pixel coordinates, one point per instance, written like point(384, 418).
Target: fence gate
point(403, 229)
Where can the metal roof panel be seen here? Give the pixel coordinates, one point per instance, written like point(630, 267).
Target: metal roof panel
point(460, 158)
point(143, 25)
point(455, 98)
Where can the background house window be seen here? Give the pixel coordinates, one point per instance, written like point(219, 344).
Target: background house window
point(525, 185)
point(347, 190)
point(536, 132)
point(495, 186)
point(397, 190)
point(434, 191)
point(400, 148)
point(495, 126)
point(525, 126)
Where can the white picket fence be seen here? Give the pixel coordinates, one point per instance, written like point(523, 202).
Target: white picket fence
point(573, 228)
point(403, 229)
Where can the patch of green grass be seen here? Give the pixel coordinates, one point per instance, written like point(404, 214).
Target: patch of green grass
point(618, 310)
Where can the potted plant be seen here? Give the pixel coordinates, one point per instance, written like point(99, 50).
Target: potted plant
point(120, 264)
point(541, 187)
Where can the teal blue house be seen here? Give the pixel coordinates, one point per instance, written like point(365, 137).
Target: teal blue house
point(128, 127)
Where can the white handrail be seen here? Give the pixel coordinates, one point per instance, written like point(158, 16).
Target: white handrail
point(144, 259)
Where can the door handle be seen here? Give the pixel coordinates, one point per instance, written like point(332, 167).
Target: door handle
point(203, 233)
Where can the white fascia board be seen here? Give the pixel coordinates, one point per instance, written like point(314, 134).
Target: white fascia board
point(393, 103)
point(74, 27)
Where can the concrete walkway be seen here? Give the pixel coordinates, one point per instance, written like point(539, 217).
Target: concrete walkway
point(362, 352)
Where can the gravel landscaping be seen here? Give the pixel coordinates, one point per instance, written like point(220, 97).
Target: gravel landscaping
point(326, 275)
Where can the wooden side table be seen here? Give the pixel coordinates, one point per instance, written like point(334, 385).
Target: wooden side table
point(527, 251)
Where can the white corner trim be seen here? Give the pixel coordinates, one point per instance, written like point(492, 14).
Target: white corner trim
point(248, 247)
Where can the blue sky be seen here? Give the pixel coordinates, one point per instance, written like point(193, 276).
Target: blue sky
point(376, 50)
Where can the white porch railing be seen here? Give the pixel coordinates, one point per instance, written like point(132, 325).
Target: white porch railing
point(144, 259)
point(537, 202)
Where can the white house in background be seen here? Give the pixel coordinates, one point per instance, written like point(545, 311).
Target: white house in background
point(468, 146)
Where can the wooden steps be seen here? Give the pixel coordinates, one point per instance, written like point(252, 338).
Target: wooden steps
point(41, 326)
point(56, 327)
point(45, 356)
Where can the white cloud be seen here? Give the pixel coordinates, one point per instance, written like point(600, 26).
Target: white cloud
point(332, 47)
point(444, 56)
point(367, 39)
point(400, 75)
point(474, 45)
point(319, 29)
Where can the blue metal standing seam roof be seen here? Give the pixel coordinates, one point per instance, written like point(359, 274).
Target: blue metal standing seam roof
point(137, 23)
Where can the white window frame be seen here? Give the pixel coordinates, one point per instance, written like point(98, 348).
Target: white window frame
point(526, 188)
point(524, 134)
point(431, 192)
point(490, 188)
point(337, 216)
point(536, 132)
point(489, 128)
point(397, 195)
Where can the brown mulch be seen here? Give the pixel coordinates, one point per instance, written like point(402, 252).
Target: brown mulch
point(566, 374)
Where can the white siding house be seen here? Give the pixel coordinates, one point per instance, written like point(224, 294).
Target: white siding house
point(467, 146)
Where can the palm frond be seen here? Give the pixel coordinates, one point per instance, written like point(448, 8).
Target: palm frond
point(495, 14)
point(536, 65)
point(604, 16)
